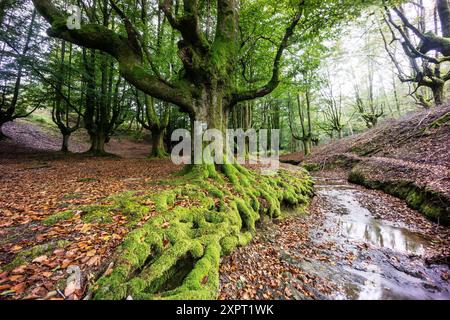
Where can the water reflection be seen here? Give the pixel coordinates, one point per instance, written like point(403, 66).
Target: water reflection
point(356, 222)
point(373, 274)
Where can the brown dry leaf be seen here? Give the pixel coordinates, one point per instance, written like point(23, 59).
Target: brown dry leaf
point(165, 225)
point(66, 263)
point(94, 261)
point(91, 253)
point(16, 248)
point(40, 259)
point(19, 288)
point(16, 278)
point(5, 287)
point(19, 270)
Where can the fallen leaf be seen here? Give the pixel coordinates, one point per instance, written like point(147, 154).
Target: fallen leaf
point(40, 259)
point(19, 288)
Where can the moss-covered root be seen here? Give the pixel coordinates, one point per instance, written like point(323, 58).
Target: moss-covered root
point(176, 254)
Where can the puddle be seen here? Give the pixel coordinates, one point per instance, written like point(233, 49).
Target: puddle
point(356, 222)
point(388, 259)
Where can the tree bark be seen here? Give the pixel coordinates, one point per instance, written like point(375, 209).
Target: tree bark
point(2, 135)
point(158, 149)
point(97, 144)
point(65, 143)
point(438, 94)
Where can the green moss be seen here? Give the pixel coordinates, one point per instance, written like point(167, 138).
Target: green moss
point(129, 205)
point(87, 180)
point(439, 122)
point(311, 167)
point(175, 255)
point(57, 217)
point(96, 214)
point(26, 256)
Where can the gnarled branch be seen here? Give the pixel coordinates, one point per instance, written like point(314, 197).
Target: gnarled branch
point(123, 49)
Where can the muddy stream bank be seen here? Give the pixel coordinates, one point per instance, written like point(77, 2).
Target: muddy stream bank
point(354, 244)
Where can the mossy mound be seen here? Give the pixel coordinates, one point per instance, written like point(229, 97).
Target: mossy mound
point(176, 254)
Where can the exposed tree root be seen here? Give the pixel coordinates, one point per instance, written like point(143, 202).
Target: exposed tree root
point(176, 254)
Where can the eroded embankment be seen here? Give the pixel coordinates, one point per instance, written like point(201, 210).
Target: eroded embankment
point(407, 158)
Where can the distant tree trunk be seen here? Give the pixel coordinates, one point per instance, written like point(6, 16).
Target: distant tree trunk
point(65, 142)
point(61, 109)
point(438, 94)
point(149, 119)
point(158, 149)
point(2, 135)
point(397, 101)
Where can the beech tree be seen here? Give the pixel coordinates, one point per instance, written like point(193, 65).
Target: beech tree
point(205, 88)
point(13, 59)
point(426, 50)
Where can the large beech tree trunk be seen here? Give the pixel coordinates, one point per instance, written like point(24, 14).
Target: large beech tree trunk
point(98, 144)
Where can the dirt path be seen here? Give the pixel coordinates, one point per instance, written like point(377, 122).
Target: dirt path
point(355, 244)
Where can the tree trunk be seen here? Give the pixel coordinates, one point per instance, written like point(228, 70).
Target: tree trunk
point(438, 94)
point(2, 135)
point(65, 143)
point(97, 144)
point(210, 113)
point(158, 150)
point(307, 145)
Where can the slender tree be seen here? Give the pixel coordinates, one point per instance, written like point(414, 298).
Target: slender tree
point(9, 110)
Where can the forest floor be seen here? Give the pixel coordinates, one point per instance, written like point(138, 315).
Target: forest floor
point(354, 243)
point(37, 182)
point(302, 257)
